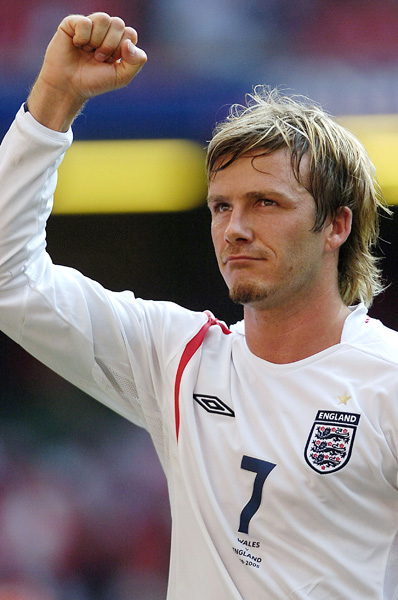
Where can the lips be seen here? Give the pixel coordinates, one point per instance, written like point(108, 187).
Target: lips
point(230, 258)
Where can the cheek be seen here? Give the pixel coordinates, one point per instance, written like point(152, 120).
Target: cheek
point(300, 248)
point(217, 236)
point(309, 252)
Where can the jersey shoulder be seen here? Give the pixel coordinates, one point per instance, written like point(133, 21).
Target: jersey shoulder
point(373, 337)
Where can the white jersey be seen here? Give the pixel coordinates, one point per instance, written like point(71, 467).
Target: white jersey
point(282, 478)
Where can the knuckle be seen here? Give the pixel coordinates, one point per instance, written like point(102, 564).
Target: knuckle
point(118, 23)
point(101, 17)
point(82, 29)
point(103, 22)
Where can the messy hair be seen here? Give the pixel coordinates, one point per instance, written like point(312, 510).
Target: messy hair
point(340, 174)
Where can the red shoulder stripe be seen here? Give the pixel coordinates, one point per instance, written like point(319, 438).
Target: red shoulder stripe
point(190, 349)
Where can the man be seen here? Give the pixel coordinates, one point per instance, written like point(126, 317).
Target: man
point(278, 437)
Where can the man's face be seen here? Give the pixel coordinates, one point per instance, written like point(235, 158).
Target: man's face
point(262, 221)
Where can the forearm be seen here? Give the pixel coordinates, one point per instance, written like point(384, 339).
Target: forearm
point(29, 157)
point(55, 313)
point(59, 316)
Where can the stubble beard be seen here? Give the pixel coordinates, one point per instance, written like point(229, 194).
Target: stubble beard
point(248, 293)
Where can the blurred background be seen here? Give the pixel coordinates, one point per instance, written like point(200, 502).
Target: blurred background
point(83, 502)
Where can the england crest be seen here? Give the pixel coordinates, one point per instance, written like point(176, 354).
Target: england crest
point(331, 440)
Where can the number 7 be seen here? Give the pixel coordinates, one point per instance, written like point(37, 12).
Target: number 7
point(263, 469)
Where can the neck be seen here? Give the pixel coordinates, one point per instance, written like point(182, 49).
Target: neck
point(283, 336)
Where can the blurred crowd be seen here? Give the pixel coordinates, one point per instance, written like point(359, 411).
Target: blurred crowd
point(81, 518)
point(84, 512)
point(335, 51)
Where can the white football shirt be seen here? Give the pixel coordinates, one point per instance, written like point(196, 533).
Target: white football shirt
point(282, 478)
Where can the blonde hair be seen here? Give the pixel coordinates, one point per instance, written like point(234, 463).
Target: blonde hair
point(340, 173)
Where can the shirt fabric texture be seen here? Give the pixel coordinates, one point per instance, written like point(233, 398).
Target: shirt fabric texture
point(283, 479)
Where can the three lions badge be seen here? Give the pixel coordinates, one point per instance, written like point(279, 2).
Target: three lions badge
point(331, 440)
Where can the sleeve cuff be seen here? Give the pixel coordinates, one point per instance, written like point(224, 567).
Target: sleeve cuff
point(33, 125)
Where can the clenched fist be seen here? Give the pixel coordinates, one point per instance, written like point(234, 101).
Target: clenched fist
point(87, 56)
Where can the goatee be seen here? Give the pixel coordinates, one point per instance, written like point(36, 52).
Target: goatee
point(248, 293)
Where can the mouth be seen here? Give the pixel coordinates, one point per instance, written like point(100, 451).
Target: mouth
point(238, 258)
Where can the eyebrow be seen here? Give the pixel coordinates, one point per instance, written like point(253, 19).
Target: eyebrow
point(254, 195)
point(212, 199)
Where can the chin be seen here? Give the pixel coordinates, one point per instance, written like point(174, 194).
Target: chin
point(248, 293)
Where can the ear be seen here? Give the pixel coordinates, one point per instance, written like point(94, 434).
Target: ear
point(338, 229)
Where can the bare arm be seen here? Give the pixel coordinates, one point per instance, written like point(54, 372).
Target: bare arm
point(87, 56)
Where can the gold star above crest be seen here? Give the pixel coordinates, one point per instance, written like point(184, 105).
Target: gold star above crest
point(344, 399)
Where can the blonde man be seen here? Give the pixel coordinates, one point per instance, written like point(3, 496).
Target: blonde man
point(278, 436)
point(340, 174)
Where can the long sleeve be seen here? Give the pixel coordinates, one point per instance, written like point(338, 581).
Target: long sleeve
point(119, 349)
point(53, 312)
point(30, 155)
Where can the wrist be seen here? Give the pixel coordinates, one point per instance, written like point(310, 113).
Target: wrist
point(53, 108)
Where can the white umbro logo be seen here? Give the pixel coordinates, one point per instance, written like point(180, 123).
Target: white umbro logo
point(212, 404)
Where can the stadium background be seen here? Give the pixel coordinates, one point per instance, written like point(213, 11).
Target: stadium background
point(83, 502)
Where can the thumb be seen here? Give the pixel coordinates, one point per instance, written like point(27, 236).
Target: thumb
point(133, 59)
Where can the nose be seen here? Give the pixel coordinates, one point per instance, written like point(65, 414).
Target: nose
point(239, 228)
